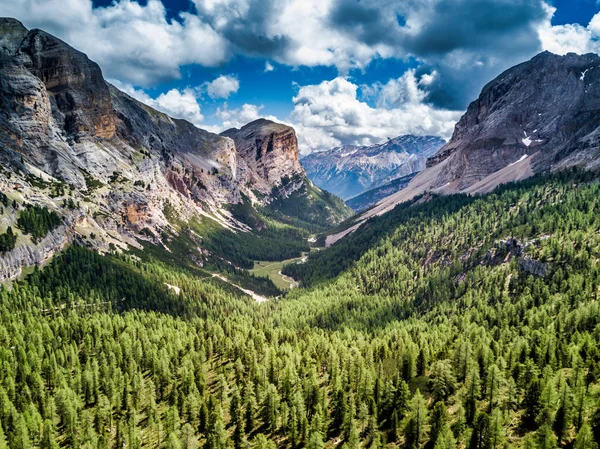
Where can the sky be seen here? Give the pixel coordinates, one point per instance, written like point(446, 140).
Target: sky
point(339, 71)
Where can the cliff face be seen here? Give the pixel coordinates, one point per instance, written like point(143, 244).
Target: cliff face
point(545, 110)
point(350, 170)
point(80, 97)
point(269, 152)
point(68, 136)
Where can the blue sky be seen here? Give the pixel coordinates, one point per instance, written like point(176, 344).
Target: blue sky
point(339, 71)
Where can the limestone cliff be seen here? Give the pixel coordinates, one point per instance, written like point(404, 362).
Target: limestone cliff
point(127, 171)
point(269, 152)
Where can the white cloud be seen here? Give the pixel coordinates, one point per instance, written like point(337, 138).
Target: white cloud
point(182, 104)
point(236, 118)
point(570, 38)
point(269, 67)
point(131, 42)
point(222, 87)
point(331, 114)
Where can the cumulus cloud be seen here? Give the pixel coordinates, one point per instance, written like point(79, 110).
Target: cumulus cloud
point(238, 117)
point(131, 42)
point(222, 87)
point(138, 44)
point(458, 45)
point(182, 104)
point(331, 113)
point(562, 39)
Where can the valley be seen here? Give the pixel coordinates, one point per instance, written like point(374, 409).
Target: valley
point(166, 287)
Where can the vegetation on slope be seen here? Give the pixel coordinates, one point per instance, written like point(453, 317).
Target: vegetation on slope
point(437, 336)
point(308, 208)
point(37, 221)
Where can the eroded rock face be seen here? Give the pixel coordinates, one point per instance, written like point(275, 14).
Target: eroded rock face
point(269, 152)
point(546, 109)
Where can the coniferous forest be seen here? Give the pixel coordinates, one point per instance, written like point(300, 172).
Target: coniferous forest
point(460, 322)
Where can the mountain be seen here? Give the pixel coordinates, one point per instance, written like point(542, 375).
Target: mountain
point(350, 170)
point(270, 153)
point(474, 318)
point(370, 198)
point(541, 115)
point(119, 173)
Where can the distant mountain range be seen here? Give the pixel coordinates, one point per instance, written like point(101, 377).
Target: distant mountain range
point(350, 170)
point(370, 198)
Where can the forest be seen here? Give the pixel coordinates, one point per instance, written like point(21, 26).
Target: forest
point(458, 322)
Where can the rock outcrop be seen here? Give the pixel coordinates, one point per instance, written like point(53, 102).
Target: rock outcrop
point(269, 152)
point(350, 170)
point(545, 110)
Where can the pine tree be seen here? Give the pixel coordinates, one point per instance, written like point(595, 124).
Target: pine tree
point(439, 421)
point(472, 394)
point(480, 437)
point(531, 403)
point(417, 421)
point(445, 439)
point(270, 408)
point(497, 435)
point(173, 441)
point(250, 414)
point(585, 438)
point(443, 380)
point(48, 440)
point(595, 425)
point(3, 443)
point(493, 385)
point(353, 441)
point(237, 420)
point(545, 439)
point(216, 434)
point(260, 441)
point(395, 426)
point(315, 440)
point(401, 398)
point(562, 419)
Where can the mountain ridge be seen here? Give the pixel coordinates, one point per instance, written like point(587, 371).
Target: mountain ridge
point(350, 170)
point(516, 128)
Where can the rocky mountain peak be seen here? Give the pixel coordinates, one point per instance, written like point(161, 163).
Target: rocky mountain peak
point(12, 33)
point(519, 115)
point(270, 150)
point(119, 170)
point(541, 115)
point(83, 103)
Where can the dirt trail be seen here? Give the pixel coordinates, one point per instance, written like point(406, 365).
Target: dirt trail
point(254, 295)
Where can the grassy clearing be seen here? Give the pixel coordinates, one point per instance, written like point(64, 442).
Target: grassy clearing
point(272, 271)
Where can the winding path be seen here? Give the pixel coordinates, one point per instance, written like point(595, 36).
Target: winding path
point(254, 295)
